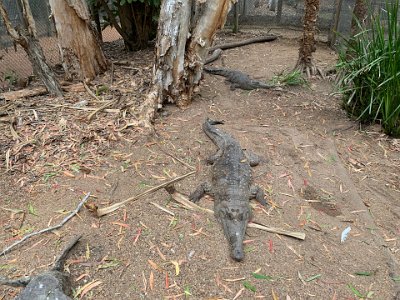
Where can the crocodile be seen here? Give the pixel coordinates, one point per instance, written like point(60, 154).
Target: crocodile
point(238, 79)
point(50, 285)
point(230, 186)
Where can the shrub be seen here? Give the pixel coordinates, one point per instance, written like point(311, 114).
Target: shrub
point(369, 70)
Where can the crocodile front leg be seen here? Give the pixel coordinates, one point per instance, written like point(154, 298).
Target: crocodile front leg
point(257, 193)
point(202, 189)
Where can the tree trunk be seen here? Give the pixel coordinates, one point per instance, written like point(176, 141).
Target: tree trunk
point(80, 48)
point(236, 17)
point(186, 30)
point(94, 10)
point(305, 62)
point(359, 16)
point(127, 26)
point(27, 38)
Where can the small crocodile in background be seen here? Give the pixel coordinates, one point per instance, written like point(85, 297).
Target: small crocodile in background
point(50, 285)
point(230, 186)
point(238, 79)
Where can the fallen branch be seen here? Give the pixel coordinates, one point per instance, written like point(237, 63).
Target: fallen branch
point(261, 39)
point(91, 115)
point(106, 210)
point(182, 199)
point(66, 219)
point(41, 90)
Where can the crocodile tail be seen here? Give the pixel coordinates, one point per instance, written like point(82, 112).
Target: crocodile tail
point(215, 71)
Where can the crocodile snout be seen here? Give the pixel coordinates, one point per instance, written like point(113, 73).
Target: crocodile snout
point(237, 254)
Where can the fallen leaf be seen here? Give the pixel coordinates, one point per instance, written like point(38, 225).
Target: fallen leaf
point(151, 280)
point(86, 288)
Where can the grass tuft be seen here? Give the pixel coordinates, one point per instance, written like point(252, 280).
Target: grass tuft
point(369, 70)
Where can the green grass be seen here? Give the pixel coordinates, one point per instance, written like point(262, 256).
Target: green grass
point(291, 78)
point(369, 71)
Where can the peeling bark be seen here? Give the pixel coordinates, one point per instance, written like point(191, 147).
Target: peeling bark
point(186, 31)
point(80, 47)
point(28, 40)
point(306, 63)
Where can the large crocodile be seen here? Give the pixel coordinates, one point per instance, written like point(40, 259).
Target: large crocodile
point(238, 79)
point(230, 186)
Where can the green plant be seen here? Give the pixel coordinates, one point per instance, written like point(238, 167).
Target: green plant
point(369, 70)
point(11, 77)
point(291, 78)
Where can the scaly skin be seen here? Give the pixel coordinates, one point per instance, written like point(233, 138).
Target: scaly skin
point(230, 186)
point(238, 79)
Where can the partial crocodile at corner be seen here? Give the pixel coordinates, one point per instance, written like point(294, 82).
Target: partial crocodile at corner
point(51, 285)
point(238, 79)
point(230, 186)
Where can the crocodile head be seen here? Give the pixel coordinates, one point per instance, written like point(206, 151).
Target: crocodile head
point(234, 222)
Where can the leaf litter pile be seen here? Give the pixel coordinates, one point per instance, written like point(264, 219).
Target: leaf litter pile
point(322, 177)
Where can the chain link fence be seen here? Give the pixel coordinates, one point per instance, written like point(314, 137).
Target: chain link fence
point(334, 16)
point(15, 66)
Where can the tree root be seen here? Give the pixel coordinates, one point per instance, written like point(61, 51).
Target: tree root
point(310, 69)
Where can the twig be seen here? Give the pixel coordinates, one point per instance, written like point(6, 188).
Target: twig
point(190, 205)
point(66, 219)
point(106, 210)
point(90, 116)
point(110, 110)
point(90, 92)
point(163, 209)
point(112, 73)
point(176, 158)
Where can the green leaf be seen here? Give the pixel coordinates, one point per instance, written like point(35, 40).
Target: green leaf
point(31, 209)
point(261, 276)
point(355, 291)
point(186, 290)
point(249, 286)
point(313, 277)
point(364, 273)
point(49, 175)
point(396, 279)
point(111, 263)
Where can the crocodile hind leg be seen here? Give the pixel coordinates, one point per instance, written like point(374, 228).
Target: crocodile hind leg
point(202, 189)
point(254, 159)
point(257, 193)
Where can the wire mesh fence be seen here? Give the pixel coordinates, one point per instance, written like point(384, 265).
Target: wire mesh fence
point(334, 16)
point(14, 63)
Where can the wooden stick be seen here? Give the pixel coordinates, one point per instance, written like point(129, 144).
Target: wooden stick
point(192, 206)
point(90, 116)
point(66, 219)
point(297, 235)
point(106, 210)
